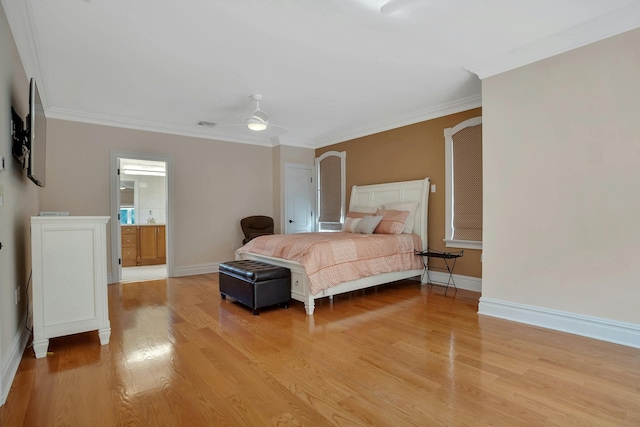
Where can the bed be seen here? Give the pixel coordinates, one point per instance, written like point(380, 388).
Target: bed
point(405, 263)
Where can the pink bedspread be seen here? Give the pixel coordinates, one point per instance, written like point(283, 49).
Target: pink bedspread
point(333, 258)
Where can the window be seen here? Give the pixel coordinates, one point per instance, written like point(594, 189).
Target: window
point(463, 168)
point(330, 169)
point(127, 216)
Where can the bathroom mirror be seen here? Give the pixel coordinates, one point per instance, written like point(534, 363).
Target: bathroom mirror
point(127, 202)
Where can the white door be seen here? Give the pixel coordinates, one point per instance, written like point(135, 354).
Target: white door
point(299, 189)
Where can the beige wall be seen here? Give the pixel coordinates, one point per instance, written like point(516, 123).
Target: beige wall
point(215, 183)
point(561, 174)
point(408, 153)
point(20, 203)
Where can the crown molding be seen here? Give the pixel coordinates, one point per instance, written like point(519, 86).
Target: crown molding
point(97, 119)
point(613, 23)
point(205, 133)
point(292, 141)
point(441, 110)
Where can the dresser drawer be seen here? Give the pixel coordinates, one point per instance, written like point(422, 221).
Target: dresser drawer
point(129, 241)
point(129, 256)
point(129, 230)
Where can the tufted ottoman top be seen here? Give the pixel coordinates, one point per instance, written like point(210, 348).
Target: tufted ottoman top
point(253, 271)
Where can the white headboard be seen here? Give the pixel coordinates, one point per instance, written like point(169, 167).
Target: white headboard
point(376, 195)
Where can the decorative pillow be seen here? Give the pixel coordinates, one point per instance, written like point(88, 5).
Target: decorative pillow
point(352, 219)
point(405, 206)
point(367, 224)
point(392, 221)
point(350, 224)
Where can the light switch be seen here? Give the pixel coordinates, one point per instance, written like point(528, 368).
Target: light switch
point(433, 188)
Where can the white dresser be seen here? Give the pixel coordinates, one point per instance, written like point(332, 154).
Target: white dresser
point(69, 263)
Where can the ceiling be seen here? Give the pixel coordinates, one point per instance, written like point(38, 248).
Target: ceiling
point(328, 70)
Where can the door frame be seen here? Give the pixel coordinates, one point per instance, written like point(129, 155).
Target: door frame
point(114, 179)
point(343, 184)
point(312, 199)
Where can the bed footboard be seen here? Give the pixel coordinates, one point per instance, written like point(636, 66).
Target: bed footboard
point(300, 290)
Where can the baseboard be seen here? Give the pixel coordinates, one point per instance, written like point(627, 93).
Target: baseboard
point(462, 282)
point(192, 270)
point(593, 327)
point(11, 364)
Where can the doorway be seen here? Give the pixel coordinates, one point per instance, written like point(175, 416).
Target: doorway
point(141, 217)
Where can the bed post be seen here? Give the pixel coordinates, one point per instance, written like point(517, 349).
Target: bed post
point(310, 305)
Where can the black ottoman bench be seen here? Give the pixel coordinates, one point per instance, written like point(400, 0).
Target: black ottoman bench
point(255, 284)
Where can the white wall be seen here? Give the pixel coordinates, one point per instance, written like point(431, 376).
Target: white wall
point(151, 199)
point(561, 175)
point(20, 198)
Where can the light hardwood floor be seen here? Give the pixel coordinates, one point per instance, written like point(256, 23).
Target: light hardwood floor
point(143, 273)
point(396, 355)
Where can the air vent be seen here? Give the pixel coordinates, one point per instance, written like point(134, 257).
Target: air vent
point(205, 123)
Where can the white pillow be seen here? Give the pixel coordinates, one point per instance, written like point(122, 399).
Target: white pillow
point(365, 209)
point(368, 224)
point(405, 206)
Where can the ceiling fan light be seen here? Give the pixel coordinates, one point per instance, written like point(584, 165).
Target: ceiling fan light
point(256, 124)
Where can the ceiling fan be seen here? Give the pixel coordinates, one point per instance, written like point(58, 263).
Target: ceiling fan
point(258, 121)
point(393, 6)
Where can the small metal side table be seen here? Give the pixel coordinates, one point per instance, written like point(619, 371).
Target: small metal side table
point(449, 259)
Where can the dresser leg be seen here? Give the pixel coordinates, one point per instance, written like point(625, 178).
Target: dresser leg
point(40, 347)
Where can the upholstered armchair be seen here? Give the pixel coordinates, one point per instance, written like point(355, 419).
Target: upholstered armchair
point(254, 226)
